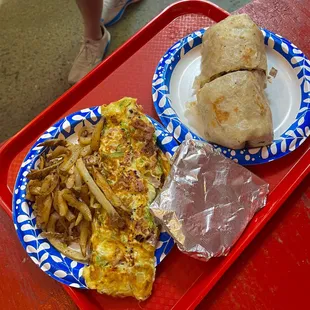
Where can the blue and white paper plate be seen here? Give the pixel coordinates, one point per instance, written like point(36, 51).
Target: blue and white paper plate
point(288, 94)
point(42, 253)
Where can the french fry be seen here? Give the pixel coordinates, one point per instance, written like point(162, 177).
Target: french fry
point(49, 184)
point(77, 179)
point(96, 205)
point(86, 150)
point(54, 161)
point(52, 222)
point(29, 196)
point(62, 204)
point(63, 180)
point(95, 139)
point(36, 183)
point(70, 181)
point(55, 200)
point(78, 219)
point(84, 194)
point(105, 187)
point(33, 189)
point(95, 190)
point(69, 216)
point(75, 153)
point(93, 204)
point(53, 143)
point(85, 135)
point(84, 233)
point(70, 228)
point(46, 186)
point(43, 210)
point(85, 140)
point(41, 162)
point(73, 202)
point(91, 200)
point(36, 191)
point(47, 208)
point(42, 173)
point(59, 150)
point(61, 207)
point(71, 170)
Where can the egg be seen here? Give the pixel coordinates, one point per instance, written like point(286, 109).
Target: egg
point(122, 260)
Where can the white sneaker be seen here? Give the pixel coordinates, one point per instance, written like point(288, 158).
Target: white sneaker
point(90, 55)
point(113, 10)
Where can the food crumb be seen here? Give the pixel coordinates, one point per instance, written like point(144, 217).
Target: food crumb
point(273, 72)
point(191, 104)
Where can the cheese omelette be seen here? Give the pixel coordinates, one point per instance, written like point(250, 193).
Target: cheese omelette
point(122, 260)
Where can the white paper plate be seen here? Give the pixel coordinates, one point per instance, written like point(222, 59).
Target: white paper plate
point(42, 253)
point(288, 95)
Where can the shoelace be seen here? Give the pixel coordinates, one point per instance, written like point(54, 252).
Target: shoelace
point(120, 3)
point(89, 49)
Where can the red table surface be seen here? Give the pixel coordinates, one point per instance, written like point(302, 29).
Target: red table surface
point(272, 273)
point(257, 279)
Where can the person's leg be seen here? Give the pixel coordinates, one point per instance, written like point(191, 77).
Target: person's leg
point(96, 41)
point(91, 13)
point(97, 38)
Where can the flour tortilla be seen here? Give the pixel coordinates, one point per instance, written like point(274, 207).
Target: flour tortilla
point(235, 43)
point(235, 110)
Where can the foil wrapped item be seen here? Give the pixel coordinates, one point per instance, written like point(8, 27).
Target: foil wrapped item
point(207, 200)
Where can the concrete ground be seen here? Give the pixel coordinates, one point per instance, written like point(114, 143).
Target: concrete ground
point(38, 43)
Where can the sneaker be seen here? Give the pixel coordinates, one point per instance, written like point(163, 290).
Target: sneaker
point(91, 54)
point(113, 10)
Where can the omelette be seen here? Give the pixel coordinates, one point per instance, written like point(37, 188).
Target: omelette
point(122, 259)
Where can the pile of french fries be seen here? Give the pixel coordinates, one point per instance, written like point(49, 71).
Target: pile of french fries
point(67, 187)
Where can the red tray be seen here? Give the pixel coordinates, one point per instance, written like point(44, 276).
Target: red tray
point(181, 281)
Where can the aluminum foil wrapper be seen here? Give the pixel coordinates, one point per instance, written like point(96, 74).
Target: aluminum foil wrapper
point(207, 200)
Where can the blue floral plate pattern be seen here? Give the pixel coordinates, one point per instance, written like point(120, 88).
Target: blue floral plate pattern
point(42, 253)
point(291, 138)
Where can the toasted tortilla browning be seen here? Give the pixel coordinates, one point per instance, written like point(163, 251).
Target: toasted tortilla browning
point(236, 110)
point(236, 43)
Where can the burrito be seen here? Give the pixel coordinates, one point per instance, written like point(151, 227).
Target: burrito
point(235, 110)
point(236, 43)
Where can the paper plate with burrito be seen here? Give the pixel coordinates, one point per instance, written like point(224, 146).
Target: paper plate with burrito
point(244, 89)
